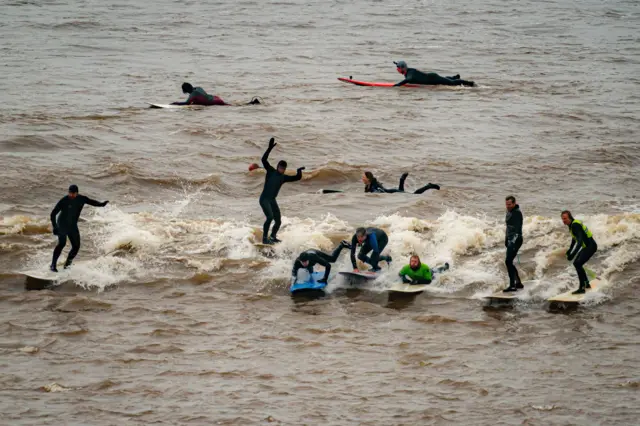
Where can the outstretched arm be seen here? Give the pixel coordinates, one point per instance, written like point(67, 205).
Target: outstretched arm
point(402, 83)
point(95, 203)
point(298, 176)
point(265, 156)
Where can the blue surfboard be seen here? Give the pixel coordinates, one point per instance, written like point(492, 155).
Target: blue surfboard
point(313, 284)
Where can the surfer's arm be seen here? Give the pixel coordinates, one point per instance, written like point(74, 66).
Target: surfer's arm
point(94, 203)
point(296, 266)
point(298, 176)
point(265, 158)
point(579, 240)
point(179, 103)
point(354, 243)
point(402, 83)
point(54, 214)
point(373, 240)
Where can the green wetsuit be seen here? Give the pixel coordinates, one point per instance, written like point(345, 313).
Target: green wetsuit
point(420, 276)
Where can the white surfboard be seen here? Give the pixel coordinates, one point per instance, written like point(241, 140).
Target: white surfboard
point(569, 297)
point(500, 295)
point(401, 287)
point(45, 274)
point(168, 106)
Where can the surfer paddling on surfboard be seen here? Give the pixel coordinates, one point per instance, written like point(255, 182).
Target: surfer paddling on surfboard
point(413, 76)
point(371, 184)
point(417, 272)
point(65, 226)
point(272, 183)
point(307, 260)
point(373, 240)
point(513, 242)
point(583, 246)
point(197, 96)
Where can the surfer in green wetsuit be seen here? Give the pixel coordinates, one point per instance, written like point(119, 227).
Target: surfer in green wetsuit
point(417, 272)
point(413, 76)
point(197, 96)
point(583, 246)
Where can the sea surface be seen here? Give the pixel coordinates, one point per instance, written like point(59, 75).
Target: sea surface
point(171, 315)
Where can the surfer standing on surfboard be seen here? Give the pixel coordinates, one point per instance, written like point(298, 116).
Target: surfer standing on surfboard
point(513, 242)
point(413, 76)
point(583, 246)
point(372, 240)
point(65, 226)
point(371, 184)
point(197, 96)
point(272, 183)
point(309, 258)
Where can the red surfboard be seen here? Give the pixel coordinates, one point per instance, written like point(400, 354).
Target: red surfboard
point(371, 84)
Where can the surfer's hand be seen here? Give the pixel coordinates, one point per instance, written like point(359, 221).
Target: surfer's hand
point(272, 142)
point(55, 231)
point(105, 203)
point(300, 169)
point(356, 270)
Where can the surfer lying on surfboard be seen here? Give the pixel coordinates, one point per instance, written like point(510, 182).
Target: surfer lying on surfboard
point(308, 259)
point(417, 272)
point(197, 96)
point(64, 220)
point(371, 184)
point(413, 76)
point(373, 240)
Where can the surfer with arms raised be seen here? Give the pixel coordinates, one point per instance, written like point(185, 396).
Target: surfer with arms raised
point(413, 76)
point(273, 181)
point(64, 220)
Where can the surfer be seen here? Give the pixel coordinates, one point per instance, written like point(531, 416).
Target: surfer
point(307, 259)
point(372, 240)
point(583, 246)
point(413, 76)
point(417, 272)
point(66, 224)
point(272, 183)
point(513, 242)
point(197, 96)
point(371, 184)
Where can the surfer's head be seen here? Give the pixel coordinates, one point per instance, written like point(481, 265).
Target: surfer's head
point(402, 67)
point(414, 262)
point(368, 178)
point(510, 202)
point(361, 235)
point(73, 191)
point(304, 259)
point(567, 217)
point(282, 166)
point(187, 88)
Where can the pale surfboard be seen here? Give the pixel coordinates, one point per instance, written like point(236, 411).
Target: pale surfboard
point(400, 287)
point(366, 275)
point(168, 106)
point(569, 297)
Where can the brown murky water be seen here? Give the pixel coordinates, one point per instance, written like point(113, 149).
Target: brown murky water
point(172, 316)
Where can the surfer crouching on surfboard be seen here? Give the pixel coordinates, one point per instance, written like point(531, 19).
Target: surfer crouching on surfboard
point(65, 226)
point(197, 96)
point(372, 240)
point(583, 246)
point(371, 184)
point(272, 183)
point(309, 258)
point(413, 76)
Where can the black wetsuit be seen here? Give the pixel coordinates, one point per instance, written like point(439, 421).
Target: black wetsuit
point(317, 257)
point(376, 240)
point(581, 253)
point(66, 224)
point(413, 76)
point(513, 241)
point(272, 183)
point(376, 186)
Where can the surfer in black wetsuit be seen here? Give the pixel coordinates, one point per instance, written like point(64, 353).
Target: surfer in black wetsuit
point(583, 246)
point(66, 224)
point(272, 183)
point(413, 76)
point(372, 240)
point(513, 242)
point(371, 184)
point(309, 258)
